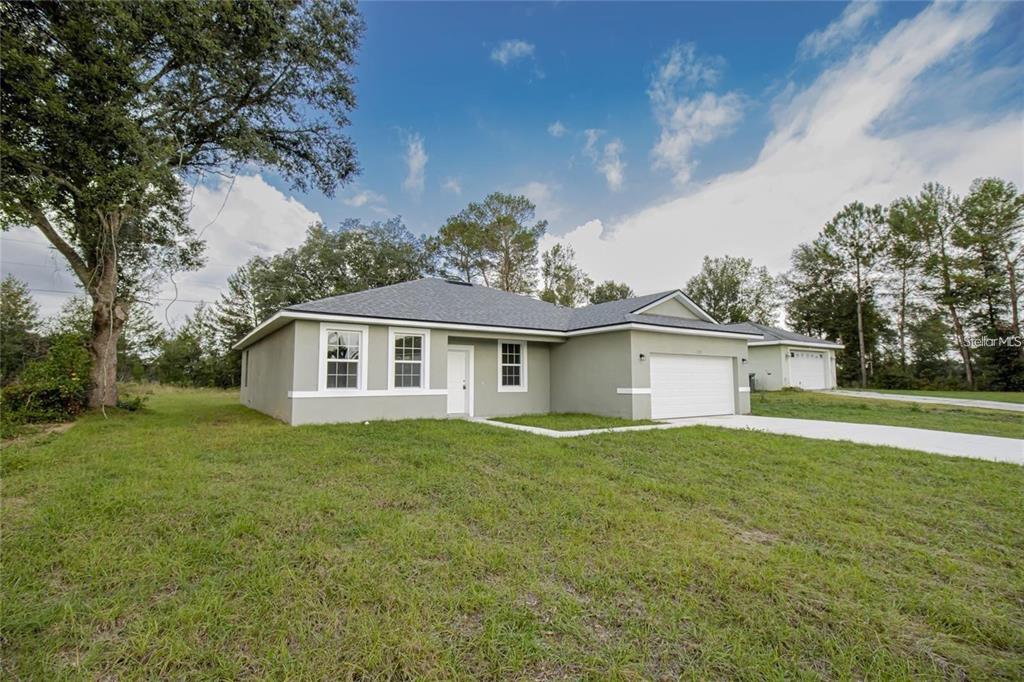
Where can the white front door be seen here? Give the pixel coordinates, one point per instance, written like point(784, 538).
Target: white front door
point(807, 369)
point(458, 381)
point(691, 386)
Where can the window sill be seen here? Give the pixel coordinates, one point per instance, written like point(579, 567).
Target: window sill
point(378, 393)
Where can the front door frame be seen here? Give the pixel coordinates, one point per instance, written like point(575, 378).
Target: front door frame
point(470, 360)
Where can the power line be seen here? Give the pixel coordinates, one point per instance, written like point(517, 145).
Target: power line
point(82, 293)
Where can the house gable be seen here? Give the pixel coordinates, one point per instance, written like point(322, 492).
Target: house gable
point(676, 304)
point(671, 308)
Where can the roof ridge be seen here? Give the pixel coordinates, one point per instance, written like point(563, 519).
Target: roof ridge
point(620, 301)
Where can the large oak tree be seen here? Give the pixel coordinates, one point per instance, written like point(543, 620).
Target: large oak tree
point(111, 109)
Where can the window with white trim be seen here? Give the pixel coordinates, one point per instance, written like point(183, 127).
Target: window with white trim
point(344, 357)
point(511, 365)
point(407, 351)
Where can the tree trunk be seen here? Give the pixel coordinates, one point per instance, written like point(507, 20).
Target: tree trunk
point(860, 333)
point(1011, 274)
point(108, 320)
point(902, 319)
point(961, 342)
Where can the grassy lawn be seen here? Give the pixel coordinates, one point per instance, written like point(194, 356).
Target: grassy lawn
point(200, 539)
point(999, 396)
point(571, 421)
point(813, 405)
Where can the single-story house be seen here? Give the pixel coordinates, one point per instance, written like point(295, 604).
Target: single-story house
point(434, 348)
point(784, 359)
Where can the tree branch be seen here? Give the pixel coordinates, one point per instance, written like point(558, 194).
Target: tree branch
point(74, 260)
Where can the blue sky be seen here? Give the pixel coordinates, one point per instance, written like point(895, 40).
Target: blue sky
point(427, 69)
point(683, 129)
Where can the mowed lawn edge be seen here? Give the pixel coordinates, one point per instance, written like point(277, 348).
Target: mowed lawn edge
point(199, 538)
point(841, 408)
point(1016, 397)
point(572, 421)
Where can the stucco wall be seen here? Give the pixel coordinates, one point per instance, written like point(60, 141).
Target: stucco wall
point(377, 403)
point(672, 308)
point(587, 371)
point(771, 364)
point(307, 359)
point(766, 363)
point(370, 407)
point(646, 343)
point(488, 401)
point(830, 373)
point(268, 373)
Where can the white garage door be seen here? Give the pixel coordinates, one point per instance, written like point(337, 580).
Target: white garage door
point(691, 386)
point(807, 369)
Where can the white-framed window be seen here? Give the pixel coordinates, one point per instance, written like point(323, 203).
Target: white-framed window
point(511, 365)
point(408, 359)
point(245, 369)
point(343, 357)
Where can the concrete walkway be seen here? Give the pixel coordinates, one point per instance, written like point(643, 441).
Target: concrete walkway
point(552, 433)
point(935, 400)
point(940, 442)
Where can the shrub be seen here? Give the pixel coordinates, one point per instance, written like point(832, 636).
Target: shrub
point(53, 388)
point(132, 403)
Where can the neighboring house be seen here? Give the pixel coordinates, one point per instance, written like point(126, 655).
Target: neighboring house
point(441, 348)
point(784, 359)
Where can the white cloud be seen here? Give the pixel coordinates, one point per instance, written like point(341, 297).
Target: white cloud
point(508, 51)
point(687, 122)
point(248, 218)
point(826, 149)
point(452, 185)
point(363, 198)
point(612, 166)
point(557, 129)
point(542, 194)
point(844, 29)
point(256, 220)
point(591, 136)
point(607, 160)
point(416, 161)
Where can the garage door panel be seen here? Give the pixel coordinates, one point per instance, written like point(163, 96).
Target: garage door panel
point(807, 370)
point(691, 386)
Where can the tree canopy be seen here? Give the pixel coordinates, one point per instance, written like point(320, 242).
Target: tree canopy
point(494, 241)
point(563, 282)
point(109, 108)
point(610, 290)
point(735, 290)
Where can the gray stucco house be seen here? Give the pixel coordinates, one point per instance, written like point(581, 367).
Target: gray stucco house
point(784, 359)
point(435, 348)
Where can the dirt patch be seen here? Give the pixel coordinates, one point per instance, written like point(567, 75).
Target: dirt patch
point(37, 432)
point(754, 536)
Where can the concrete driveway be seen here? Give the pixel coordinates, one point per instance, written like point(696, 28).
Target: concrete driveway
point(940, 442)
point(933, 400)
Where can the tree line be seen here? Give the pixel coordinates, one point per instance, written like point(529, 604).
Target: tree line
point(924, 291)
point(912, 289)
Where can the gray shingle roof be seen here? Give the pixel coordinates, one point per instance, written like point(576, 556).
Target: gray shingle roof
point(438, 300)
point(776, 334)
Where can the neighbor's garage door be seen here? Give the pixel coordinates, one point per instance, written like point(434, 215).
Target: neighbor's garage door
point(691, 386)
point(807, 369)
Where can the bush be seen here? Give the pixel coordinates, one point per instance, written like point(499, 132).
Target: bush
point(132, 403)
point(895, 377)
point(53, 388)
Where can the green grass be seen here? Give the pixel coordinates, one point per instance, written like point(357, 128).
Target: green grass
point(198, 539)
point(571, 421)
point(998, 396)
point(814, 405)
